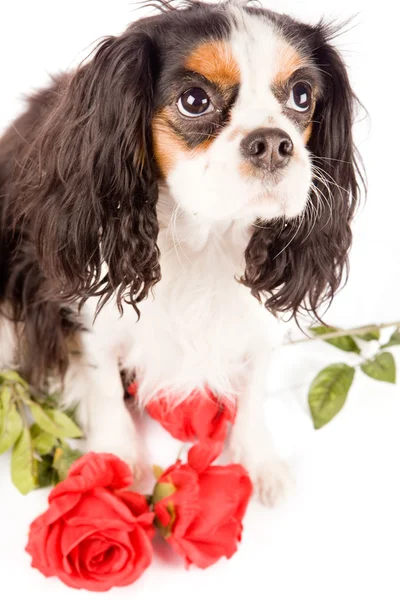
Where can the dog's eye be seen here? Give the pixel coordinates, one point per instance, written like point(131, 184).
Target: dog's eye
point(300, 97)
point(195, 103)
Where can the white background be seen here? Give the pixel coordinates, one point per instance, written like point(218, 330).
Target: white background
point(338, 535)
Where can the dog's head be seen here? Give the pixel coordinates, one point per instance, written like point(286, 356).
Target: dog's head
point(242, 113)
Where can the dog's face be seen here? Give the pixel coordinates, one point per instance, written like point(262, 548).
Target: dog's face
point(234, 114)
point(242, 113)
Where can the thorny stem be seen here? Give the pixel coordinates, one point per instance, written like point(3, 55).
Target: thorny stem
point(341, 332)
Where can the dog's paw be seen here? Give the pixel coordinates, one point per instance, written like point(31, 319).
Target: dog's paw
point(123, 449)
point(273, 481)
point(272, 478)
point(121, 443)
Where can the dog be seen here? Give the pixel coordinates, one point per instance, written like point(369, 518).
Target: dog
point(165, 204)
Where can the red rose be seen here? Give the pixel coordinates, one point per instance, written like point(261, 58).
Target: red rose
point(200, 514)
point(94, 535)
point(201, 416)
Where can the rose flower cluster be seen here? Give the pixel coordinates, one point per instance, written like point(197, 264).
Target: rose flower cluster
point(97, 533)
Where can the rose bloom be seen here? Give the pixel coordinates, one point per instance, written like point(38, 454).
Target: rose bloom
point(200, 514)
point(94, 535)
point(202, 418)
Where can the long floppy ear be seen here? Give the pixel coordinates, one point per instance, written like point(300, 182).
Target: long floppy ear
point(301, 265)
point(89, 186)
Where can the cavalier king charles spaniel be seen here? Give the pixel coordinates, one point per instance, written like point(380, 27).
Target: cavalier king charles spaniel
point(164, 204)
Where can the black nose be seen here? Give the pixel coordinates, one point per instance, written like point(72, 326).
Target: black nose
point(268, 148)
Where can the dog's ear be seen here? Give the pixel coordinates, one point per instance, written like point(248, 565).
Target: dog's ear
point(301, 265)
point(89, 185)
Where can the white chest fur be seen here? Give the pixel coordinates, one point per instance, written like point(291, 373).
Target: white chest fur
point(200, 326)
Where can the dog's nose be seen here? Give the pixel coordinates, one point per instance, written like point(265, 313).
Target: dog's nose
point(268, 148)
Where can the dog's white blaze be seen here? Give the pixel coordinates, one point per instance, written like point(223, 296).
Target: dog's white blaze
point(255, 46)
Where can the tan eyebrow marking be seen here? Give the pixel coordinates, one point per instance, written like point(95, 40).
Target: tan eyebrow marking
point(215, 61)
point(288, 61)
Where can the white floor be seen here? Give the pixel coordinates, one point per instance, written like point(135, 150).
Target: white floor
point(336, 537)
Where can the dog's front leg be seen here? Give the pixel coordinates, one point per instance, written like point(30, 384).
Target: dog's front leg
point(251, 443)
point(93, 382)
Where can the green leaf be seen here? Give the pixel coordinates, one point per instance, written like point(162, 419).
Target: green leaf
point(13, 377)
point(23, 464)
point(47, 475)
point(157, 471)
point(162, 490)
point(43, 442)
point(10, 421)
point(166, 530)
point(5, 398)
point(343, 342)
point(394, 340)
point(328, 392)
point(64, 423)
point(381, 367)
point(372, 335)
point(63, 459)
point(51, 402)
point(54, 422)
point(43, 421)
point(35, 430)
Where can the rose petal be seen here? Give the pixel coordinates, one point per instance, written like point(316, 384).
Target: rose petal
point(140, 559)
point(36, 548)
point(162, 513)
point(100, 506)
point(201, 455)
point(106, 574)
point(136, 503)
point(52, 548)
point(93, 553)
point(201, 415)
point(224, 495)
point(72, 536)
point(204, 553)
point(143, 550)
point(184, 499)
point(173, 417)
point(71, 562)
point(121, 558)
point(101, 524)
point(204, 413)
point(103, 555)
point(95, 470)
point(57, 509)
